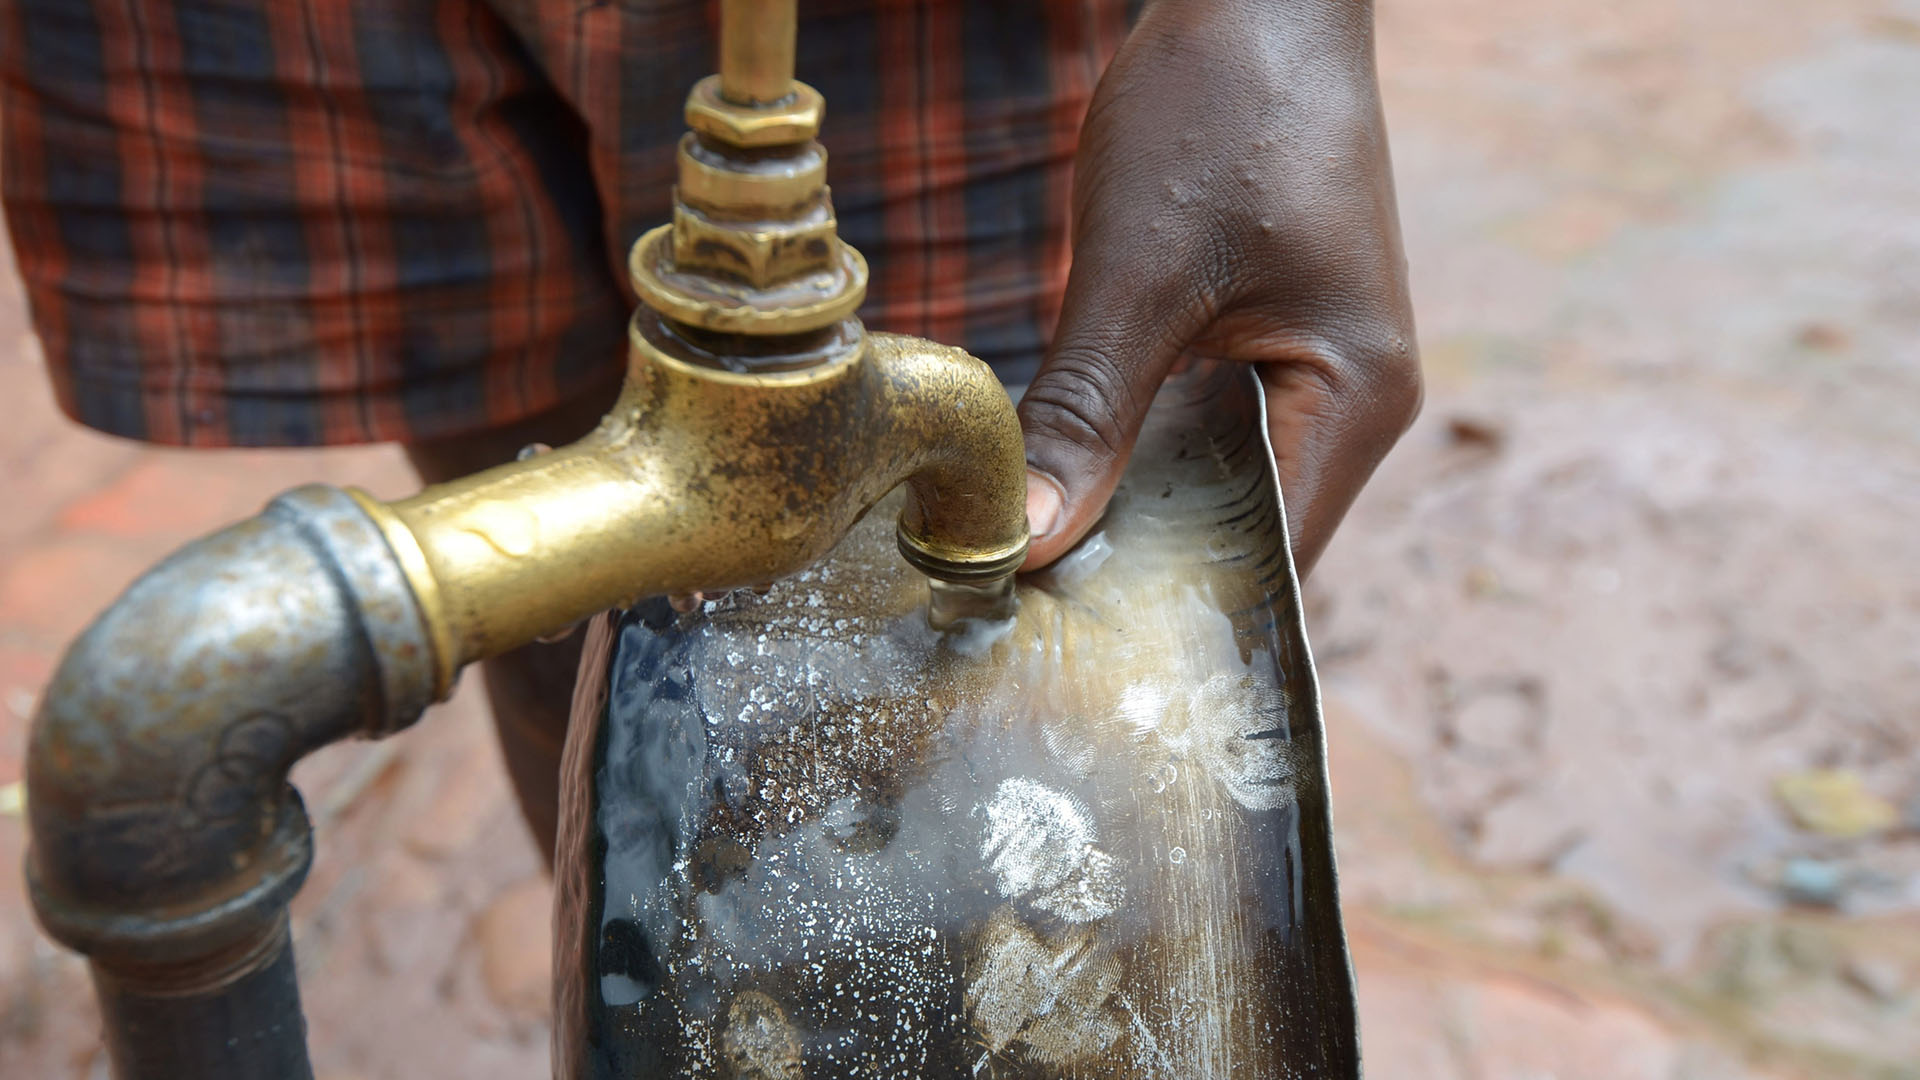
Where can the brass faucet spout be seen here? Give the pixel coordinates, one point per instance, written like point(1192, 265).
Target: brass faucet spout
point(702, 480)
point(965, 520)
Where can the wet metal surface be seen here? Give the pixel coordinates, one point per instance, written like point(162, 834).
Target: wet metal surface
point(826, 839)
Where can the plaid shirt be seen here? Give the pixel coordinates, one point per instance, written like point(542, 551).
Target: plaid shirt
point(294, 222)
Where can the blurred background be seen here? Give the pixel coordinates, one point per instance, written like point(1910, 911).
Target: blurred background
point(1621, 649)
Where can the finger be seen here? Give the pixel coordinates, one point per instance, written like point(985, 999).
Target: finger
point(1122, 327)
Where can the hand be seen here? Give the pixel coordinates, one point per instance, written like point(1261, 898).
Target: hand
point(1232, 198)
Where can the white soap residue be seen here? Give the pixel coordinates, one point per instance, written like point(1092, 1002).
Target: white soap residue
point(1041, 846)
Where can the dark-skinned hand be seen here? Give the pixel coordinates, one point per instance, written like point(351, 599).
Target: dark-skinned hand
point(1232, 199)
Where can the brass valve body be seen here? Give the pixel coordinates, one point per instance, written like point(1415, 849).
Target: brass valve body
point(753, 247)
point(708, 479)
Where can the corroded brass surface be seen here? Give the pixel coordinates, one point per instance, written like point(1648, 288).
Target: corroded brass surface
point(701, 479)
point(810, 836)
point(753, 248)
point(729, 305)
point(759, 253)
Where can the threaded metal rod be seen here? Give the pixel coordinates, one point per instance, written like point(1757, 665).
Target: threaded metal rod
point(756, 50)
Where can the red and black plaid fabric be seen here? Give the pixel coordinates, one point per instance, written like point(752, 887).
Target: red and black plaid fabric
point(293, 222)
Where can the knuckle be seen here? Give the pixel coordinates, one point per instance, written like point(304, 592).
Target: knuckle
point(1409, 394)
point(1368, 374)
point(1403, 386)
point(1074, 401)
point(1384, 366)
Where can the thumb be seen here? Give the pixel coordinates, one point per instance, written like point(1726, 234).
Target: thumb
point(1119, 334)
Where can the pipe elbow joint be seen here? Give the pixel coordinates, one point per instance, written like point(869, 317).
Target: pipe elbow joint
point(163, 827)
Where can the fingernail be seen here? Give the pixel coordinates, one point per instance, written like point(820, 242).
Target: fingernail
point(1044, 500)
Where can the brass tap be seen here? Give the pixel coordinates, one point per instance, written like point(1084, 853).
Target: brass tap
point(759, 419)
point(758, 422)
point(703, 479)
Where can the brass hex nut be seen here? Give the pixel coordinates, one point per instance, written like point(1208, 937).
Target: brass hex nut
point(807, 302)
point(769, 186)
point(760, 253)
point(795, 120)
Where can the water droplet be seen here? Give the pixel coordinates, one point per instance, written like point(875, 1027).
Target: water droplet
point(1177, 856)
point(1163, 777)
point(510, 530)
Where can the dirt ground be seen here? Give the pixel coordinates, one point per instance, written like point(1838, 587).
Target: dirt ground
point(1620, 647)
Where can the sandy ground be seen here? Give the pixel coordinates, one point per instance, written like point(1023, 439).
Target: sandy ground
point(1650, 550)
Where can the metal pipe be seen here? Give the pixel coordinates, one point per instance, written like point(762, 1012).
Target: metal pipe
point(166, 839)
point(156, 1031)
